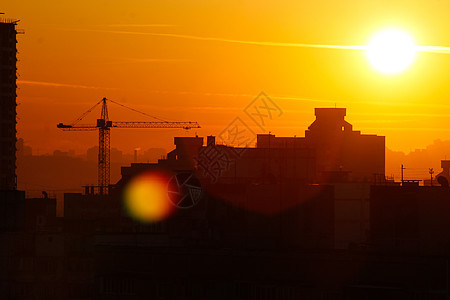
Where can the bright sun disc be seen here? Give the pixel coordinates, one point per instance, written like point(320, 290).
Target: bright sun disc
point(391, 51)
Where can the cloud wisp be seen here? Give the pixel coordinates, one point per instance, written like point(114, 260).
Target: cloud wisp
point(234, 95)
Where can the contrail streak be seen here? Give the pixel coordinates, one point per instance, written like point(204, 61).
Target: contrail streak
point(214, 39)
point(125, 60)
point(138, 25)
point(54, 84)
point(433, 49)
point(430, 49)
point(276, 44)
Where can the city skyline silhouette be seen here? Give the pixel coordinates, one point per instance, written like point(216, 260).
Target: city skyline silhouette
point(268, 150)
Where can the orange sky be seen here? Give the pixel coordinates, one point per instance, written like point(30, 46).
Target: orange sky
point(174, 59)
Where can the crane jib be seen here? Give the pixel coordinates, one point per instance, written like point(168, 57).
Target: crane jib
point(103, 126)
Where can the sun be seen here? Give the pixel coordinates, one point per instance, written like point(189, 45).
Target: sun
point(391, 51)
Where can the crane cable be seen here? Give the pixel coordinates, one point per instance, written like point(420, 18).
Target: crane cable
point(85, 113)
point(117, 103)
point(135, 110)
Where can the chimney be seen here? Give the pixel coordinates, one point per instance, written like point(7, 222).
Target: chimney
point(136, 154)
point(210, 140)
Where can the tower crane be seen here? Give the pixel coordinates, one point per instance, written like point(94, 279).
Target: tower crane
point(104, 125)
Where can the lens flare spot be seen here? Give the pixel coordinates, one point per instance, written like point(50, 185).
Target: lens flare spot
point(146, 198)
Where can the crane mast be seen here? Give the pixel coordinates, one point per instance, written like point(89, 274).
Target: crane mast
point(104, 149)
point(104, 126)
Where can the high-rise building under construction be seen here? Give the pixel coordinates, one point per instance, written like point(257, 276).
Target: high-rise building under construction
point(8, 104)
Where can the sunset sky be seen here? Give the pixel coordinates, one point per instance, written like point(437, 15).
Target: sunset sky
point(206, 60)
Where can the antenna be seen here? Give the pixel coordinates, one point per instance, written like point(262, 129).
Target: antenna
point(430, 170)
point(402, 172)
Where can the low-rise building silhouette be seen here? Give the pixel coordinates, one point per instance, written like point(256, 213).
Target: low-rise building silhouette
point(411, 218)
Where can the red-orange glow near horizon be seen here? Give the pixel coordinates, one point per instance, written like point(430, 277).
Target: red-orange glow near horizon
point(146, 199)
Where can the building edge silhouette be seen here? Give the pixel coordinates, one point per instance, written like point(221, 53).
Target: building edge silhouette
point(8, 95)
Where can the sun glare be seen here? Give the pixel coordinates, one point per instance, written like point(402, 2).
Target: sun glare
point(391, 51)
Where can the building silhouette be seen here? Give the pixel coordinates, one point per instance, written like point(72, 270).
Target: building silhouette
point(8, 104)
point(341, 152)
point(331, 151)
point(443, 178)
point(11, 201)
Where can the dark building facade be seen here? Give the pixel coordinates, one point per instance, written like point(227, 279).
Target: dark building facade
point(410, 218)
point(8, 104)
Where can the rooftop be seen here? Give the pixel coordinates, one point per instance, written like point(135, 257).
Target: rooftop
point(8, 21)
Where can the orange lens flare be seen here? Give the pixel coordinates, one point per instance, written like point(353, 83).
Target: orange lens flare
point(146, 198)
